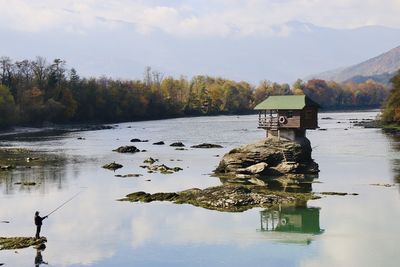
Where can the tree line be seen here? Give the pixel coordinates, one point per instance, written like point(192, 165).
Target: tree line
point(36, 91)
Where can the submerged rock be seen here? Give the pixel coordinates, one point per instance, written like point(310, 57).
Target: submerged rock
point(127, 149)
point(232, 198)
point(137, 140)
point(384, 185)
point(269, 157)
point(162, 169)
point(20, 242)
point(128, 175)
point(150, 160)
point(159, 143)
point(29, 183)
point(112, 166)
point(207, 145)
point(338, 194)
point(177, 144)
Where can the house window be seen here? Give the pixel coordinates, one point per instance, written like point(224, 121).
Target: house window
point(290, 114)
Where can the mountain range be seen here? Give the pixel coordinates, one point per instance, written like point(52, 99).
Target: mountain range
point(380, 68)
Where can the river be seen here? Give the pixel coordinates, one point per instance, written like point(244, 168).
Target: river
point(95, 229)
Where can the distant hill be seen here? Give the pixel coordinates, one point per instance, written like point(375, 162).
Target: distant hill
point(380, 69)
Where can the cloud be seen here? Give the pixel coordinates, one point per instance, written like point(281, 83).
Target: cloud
point(195, 18)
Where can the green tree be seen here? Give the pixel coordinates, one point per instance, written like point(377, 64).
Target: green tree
point(391, 110)
point(7, 107)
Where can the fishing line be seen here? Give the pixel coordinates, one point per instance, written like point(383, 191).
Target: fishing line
point(59, 207)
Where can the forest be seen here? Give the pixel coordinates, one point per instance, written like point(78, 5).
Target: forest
point(34, 92)
point(391, 108)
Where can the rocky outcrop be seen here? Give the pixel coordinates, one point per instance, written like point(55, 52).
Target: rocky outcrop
point(231, 198)
point(127, 149)
point(151, 168)
point(112, 166)
point(20, 242)
point(268, 158)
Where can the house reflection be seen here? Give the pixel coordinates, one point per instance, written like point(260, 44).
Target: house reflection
point(291, 224)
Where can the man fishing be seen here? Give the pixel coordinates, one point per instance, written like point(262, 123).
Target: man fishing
point(38, 223)
point(39, 220)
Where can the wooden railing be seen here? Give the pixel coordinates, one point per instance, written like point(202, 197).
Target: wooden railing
point(269, 122)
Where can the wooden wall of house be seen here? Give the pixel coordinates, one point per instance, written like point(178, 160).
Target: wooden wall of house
point(309, 118)
point(293, 118)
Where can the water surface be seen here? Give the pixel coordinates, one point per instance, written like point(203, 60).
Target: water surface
point(96, 230)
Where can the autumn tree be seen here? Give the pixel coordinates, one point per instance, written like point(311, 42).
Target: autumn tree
point(391, 109)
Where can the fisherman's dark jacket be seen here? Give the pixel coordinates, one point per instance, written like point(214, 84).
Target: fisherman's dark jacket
point(38, 220)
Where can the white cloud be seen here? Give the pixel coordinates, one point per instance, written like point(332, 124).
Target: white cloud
point(196, 18)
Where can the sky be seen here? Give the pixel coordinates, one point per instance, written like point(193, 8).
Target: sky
point(181, 21)
point(195, 18)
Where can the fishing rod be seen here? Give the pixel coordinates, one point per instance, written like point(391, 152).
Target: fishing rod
point(59, 207)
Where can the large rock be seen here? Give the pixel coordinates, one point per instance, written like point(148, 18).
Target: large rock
point(232, 198)
point(269, 157)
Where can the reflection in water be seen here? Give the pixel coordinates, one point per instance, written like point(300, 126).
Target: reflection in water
point(296, 220)
point(395, 145)
point(287, 183)
point(39, 258)
point(33, 171)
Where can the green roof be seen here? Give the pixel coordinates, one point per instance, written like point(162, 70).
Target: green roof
point(286, 102)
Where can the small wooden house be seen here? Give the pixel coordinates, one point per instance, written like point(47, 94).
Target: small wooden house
point(287, 116)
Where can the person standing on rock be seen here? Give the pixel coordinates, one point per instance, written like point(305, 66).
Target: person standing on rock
point(38, 223)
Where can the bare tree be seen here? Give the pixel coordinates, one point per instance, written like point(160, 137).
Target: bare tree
point(40, 70)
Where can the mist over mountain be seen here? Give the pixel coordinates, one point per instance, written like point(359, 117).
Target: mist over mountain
point(380, 68)
point(294, 51)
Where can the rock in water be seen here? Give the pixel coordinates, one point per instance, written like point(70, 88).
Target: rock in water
point(269, 157)
point(20, 242)
point(135, 140)
point(150, 160)
point(127, 149)
point(159, 143)
point(206, 145)
point(112, 166)
point(232, 198)
point(177, 144)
